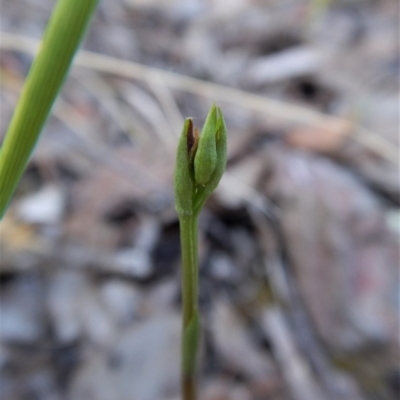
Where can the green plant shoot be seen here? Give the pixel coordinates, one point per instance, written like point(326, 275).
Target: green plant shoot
point(64, 32)
point(200, 163)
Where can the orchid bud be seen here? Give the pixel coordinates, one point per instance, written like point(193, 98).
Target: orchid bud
point(184, 169)
point(206, 155)
point(200, 162)
point(221, 150)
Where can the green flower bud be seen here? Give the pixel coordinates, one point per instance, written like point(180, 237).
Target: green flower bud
point(200, 162)
point(221, 150)
point(206, 155)
point(184, 169)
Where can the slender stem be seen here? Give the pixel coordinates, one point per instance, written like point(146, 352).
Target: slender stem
point(188, 227)
point(200, 163)
point(188, 387)
point(190, 326)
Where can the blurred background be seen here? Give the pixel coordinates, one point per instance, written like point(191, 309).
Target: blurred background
point(299, 282)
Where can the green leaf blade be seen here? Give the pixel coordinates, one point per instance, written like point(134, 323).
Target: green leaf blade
point(64, 32)
point(206, 155)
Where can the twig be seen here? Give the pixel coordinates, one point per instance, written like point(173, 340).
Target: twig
point(167, 102)
point(144, 180)
point(276, 109)
point(296, 371)
point(106, 95)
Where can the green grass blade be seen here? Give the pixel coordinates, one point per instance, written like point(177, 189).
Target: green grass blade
point(64, 32)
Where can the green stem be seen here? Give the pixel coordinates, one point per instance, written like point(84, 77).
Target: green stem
point(191, 324)
point(200, 163)
point(188, 227)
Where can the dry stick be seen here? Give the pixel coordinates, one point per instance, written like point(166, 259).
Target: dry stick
point(295, 370)
point(168, 103)
point(142, 178)
point(220, 93)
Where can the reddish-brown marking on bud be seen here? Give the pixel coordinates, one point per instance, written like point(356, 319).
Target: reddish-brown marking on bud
point(192, 140)
point(190, 136)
